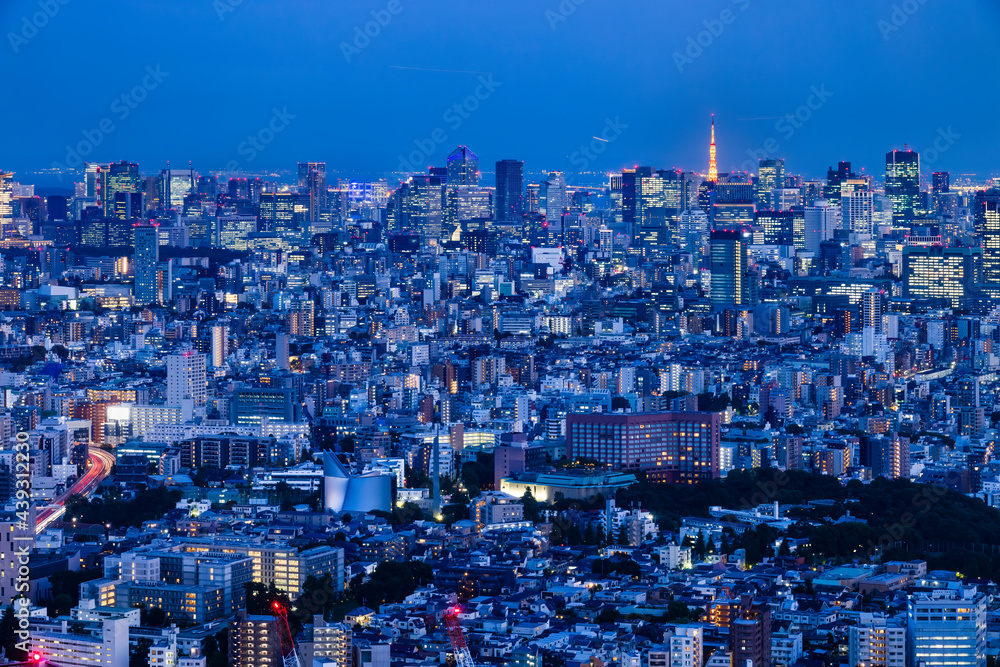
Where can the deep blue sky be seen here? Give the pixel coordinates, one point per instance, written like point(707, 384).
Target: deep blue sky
point(557, 87)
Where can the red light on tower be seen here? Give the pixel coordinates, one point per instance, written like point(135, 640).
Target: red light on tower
point(36, 658)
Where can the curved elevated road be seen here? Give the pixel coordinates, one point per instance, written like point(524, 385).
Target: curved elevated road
point(98, 467)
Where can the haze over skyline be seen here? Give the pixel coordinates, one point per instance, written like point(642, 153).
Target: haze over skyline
point(532, 81)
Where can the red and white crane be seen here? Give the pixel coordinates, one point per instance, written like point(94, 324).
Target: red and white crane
point(289, 656)
point(458, 646)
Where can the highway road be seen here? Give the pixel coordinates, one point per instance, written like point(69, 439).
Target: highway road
point(98, 467)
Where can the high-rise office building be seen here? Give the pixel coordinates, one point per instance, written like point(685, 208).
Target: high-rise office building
point(175, 185)
point(940, 185)
point(463, 203)
point(874, 309)
point(277, 212)
point(936, 272)
point(902, 184)
point(146, 264)
point(463, 167)
point(660, 200)
point(630, 184)
point(946, 626)
point(509, 187)
point(841, 181)
point(778, 226)
point(312, 181)
point(877, 641)
point(770, 175)
point(552, 197)
point(672, 447)
point(281, 352)
point(821, 220)
point(732, 204)
point(730, 266)
point(858, 211)
point(786, 198)
point(220, 345)
point(120, 178)
point(421, 207)
point(6, 202)
point(235, 230)
point(988, 211)
point(186, 378)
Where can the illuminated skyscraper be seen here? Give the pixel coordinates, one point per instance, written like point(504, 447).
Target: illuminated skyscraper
point(510, 183)
point(277, 212)
point(420, 210)
point(730, 266)
point(463, 167)
point(176, 184)
point(713, 168)
point(235, 230)
point(220, 344)
point(841, 181)
point(858, 209)
point(936, 272)
point(552, 197)
point(820, 222)
point(874, 306)
point(120, 178)
point(631, 184)
point(465, 202)
point(989, 211)
point(902, 184)
point(940, 185)
point(146, 264)
point(186, 378)
point(312, 181)
point(770, 175)
point(778, 226)
point(93, 180)
point(6, 202)
point(733, 204)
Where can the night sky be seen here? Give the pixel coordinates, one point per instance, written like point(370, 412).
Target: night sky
point(533, 80)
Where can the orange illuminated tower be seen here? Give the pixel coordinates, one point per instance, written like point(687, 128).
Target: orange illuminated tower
point(713, 169)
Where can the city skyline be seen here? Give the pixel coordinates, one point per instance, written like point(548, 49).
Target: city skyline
point(402, 87)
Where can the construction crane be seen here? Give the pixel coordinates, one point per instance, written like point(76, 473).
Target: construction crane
point(458, 646)
point(289, 656)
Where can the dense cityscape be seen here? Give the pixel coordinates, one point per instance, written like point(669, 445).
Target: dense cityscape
point(691, 394)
